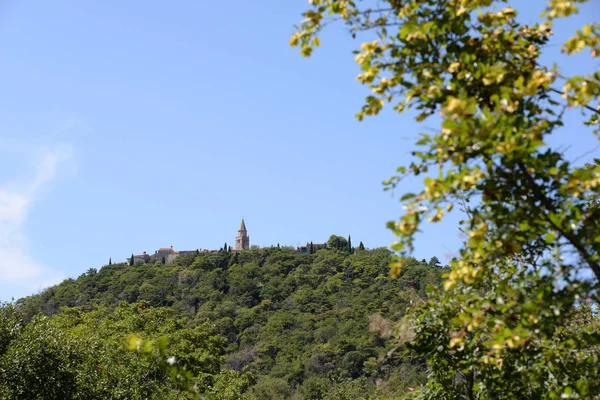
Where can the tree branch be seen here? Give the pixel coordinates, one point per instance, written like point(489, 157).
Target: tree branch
point(583, 105)
point(546, 206)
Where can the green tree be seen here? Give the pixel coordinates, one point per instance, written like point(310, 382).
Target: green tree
point(36, 363)
point(477, 358)
point(131, 260)
point(10, 326)
point(82, 355)
point(361, 246)
point(337, 242)
point(435, 262)
point(531, 231)
point(271, 389)
point(151, 294)
point(110, 261)
point(349, 245)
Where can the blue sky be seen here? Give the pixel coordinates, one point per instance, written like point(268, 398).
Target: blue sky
point(132, 125)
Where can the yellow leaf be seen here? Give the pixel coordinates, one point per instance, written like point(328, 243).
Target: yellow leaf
point(360, 58)
point(453, 67)
point(396, 268)
point(294, 40)
point(509, 12)
point(306, 51)
point(133, 342)
point(438, 216)
point(449, 284)
point(454, 104)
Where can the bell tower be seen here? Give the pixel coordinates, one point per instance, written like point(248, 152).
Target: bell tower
point(242, 241)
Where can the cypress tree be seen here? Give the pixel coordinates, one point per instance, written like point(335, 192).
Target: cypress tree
point(131, 260)
point(229, 249)
point(349, 245)
point(110, 261)
point(225, 247)
point(163, 260)
point(361, 246)
point(197, 252)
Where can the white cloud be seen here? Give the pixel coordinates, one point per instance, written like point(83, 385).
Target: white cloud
point(17, 267)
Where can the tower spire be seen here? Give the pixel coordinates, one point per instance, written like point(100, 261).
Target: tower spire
point(242, 241)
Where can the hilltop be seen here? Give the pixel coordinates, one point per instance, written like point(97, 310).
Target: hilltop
point(299, 325)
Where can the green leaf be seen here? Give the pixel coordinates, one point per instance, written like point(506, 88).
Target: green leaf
point(408, 196)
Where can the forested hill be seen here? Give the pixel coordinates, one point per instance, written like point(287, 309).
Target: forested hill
point(303, 326)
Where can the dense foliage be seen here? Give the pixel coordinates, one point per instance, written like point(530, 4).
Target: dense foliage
point(271, 323)
point(82, 355)
point(531, 253)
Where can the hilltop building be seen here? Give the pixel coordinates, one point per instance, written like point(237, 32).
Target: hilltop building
point(242, 241)
point(168, 254)
point(307, 249)
point(139, 258)
point(164, 253)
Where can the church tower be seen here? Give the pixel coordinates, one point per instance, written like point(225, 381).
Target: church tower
point(242, 241)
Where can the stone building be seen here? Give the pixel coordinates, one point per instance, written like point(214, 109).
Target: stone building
point(188, 252)
point(315, 247)
point(163, 254)
point(168, 254)
point(139, 258)
point(242, 241)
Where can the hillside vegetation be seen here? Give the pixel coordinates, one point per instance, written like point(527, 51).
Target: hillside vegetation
point(266, 324)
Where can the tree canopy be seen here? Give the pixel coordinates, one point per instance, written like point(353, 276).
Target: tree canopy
point(532, 239)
